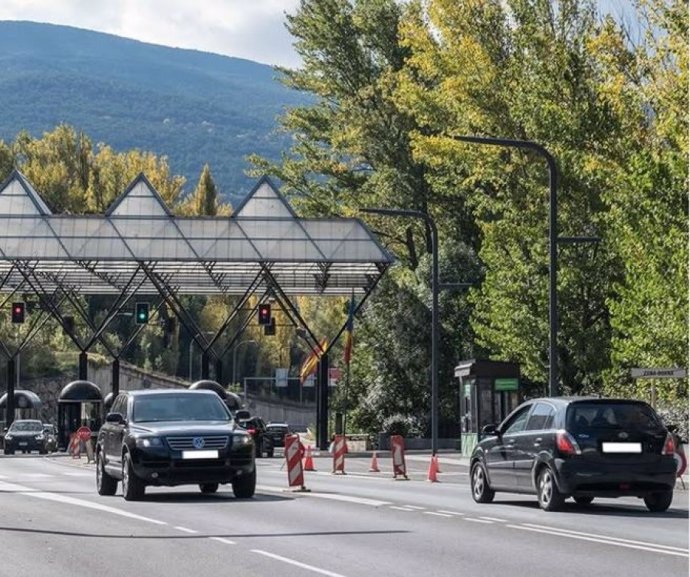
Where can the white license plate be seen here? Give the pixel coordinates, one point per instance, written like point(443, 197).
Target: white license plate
point(199, 454)
point(621, 447)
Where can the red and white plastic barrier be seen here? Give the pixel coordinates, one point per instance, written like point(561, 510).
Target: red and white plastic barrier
point(293, 456)
point(398, 454)
point(339, 450)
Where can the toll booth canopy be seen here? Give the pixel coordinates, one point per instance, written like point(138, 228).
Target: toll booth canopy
point(489, 391)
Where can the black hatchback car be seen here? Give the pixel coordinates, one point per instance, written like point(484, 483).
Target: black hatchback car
point(577, 447)
point(25, 435)
point(173, 437)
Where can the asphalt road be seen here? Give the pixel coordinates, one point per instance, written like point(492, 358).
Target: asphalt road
point(52, 523)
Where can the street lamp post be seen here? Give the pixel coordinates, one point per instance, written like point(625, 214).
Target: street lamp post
point(434, 308)
point(234, 364)
point(553, 239)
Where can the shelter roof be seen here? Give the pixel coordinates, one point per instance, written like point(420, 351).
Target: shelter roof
point(138, 234)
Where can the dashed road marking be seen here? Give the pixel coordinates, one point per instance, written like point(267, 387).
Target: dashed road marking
point(415, 507)
point(450, 512)
point(297, 563)
point(222, 540)
point(401, 508)
point(494, 519)
point(478, 520)
point(348, 499)
point(437, 514)
point(185, 530)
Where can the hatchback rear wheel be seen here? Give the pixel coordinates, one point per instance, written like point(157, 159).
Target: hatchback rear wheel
point(481, 492)
point(550, 498)
point(659, 502)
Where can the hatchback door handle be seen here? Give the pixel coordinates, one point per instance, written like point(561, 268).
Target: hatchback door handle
point(537, 441)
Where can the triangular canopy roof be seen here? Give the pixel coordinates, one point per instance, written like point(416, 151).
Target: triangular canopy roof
point(199, 255)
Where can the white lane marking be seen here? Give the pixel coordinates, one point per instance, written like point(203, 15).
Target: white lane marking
point(450, 512)
point(3, 477)
point(415, 507)
point(401, 508)
point(89, 505)
point(350, 474)
point(494, 519)
point(607, 537)
point(37, 476)
point(28, 492)
point(478, 520)
point(185, 530)
point(600, 541)
point(348, 499)
point(221, 540)
point(297, 563)
point(78, 474)
point(437, 514)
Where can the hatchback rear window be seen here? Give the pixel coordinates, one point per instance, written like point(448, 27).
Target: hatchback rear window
point(633, 416)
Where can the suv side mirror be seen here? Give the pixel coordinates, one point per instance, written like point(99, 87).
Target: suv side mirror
point(242, 415)
point(490, 430)
point(116, 418)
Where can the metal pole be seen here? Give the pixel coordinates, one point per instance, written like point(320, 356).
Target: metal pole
point(9, 405)
point(116, 377)
point(234, 357)
point(191, 344)
point(246, 404)
point(19, 366)
point(322, 410)
point(553, 237)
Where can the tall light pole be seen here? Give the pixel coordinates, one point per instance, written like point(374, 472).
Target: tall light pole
point(191, 346)
point(553, 239)
point(234, 364)
point(434, 308)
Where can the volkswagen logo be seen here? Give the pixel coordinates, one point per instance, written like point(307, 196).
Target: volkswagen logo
point(622, 435)
point(198, 442)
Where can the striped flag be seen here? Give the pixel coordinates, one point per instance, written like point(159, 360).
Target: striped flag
point(312, 361)
point(349, 328)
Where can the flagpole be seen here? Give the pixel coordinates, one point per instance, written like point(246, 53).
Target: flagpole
point(347, 398)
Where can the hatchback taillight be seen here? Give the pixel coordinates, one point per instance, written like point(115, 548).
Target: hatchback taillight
point(669, 445)
point(565, 444)
point(251, 431)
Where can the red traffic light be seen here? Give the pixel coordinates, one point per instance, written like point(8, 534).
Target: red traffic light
point(18, 311)
point(264, 314)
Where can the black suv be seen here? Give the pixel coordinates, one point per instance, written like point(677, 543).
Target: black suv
point(256, 427)
point(173, 437)
point(577, 447)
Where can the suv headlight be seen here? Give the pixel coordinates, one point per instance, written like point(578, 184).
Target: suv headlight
point(243, 439)
point(8, 437)
point(39, 437)
point(146, 442)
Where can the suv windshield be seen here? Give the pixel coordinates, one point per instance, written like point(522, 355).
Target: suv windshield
point(183, 407)
point(26, 426)
point(632, 416)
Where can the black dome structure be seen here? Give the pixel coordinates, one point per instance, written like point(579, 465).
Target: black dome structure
point(23, 400)
point(80, 391)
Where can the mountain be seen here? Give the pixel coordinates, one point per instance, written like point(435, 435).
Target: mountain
point(193, 107)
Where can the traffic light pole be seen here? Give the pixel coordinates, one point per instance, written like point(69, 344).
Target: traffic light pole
point(9, 405)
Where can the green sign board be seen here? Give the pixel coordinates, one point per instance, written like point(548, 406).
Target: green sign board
point(506, 385)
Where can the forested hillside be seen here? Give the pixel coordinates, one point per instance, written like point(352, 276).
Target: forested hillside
point(193, 107)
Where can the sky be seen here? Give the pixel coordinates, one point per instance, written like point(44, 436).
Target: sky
point(252, 29)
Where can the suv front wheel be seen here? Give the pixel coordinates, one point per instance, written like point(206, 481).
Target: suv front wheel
point(133, 487)
point(245, 486)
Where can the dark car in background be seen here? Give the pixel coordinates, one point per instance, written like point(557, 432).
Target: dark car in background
point(173, 437)
point(25, 435)
point(577, 447)
point(277, 432)
point(256, 427)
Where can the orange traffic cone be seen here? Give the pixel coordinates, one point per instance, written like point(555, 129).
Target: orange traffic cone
point(374, 464)
point(433, 470)
point(308, 461)
point(438, 465)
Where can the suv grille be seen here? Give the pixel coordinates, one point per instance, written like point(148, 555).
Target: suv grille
point(187, 442)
